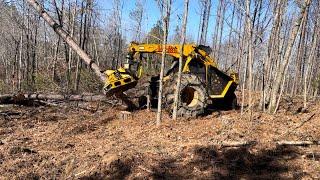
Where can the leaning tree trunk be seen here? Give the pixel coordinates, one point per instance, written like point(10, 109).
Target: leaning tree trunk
point(67, 38)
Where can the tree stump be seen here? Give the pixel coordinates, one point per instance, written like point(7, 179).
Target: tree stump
point(148, 102)
point(125, 115)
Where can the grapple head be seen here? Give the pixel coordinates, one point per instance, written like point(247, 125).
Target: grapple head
point(118, 81)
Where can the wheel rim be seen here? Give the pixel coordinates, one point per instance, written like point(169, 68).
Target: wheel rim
point(189, 96)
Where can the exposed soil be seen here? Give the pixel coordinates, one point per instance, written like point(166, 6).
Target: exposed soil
point(74, 143)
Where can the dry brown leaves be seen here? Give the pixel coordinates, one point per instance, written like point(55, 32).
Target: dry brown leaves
point(42, 142)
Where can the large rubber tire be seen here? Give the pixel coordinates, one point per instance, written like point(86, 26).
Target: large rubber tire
point(193, 99)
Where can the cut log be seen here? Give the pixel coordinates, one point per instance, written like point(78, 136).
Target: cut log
point(23, 99)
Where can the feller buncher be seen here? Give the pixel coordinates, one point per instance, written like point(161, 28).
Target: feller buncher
point(202, 83)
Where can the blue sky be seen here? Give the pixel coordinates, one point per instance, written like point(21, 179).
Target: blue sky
point(153, 14)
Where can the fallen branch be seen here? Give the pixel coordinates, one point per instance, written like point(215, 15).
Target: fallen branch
point(237, 143)
point(297, 143)
point(227, 144)
point(9, 113)
point(298, 126)
point(145, 169)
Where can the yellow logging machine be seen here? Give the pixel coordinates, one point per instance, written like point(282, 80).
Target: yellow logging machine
point(202, 83)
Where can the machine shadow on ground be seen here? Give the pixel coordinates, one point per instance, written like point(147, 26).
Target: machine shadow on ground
point(211, 163)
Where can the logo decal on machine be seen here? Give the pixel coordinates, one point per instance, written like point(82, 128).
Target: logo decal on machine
point(169, 49)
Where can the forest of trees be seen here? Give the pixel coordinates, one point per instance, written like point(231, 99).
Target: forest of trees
point(272, 45)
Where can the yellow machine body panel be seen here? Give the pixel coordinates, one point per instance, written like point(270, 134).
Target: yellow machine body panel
point(118, 81)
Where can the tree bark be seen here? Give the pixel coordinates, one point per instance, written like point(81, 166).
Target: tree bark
point(166, 20)
point(249, 32)
point(183, 39)
point(285, 62)
point(272, 53)
point(308, 65)
point(206, 7)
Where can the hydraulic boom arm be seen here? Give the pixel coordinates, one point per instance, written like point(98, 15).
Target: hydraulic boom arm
point(173, 50)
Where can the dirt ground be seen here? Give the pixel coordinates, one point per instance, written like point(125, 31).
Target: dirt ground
point(67, 142)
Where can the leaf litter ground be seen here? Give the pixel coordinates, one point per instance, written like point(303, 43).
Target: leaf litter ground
point(74, 143)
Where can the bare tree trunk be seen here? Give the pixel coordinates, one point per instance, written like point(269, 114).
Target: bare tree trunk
point(221, 19)
point(34, 55)
point(70, 55)
point(206, 7)
point(55, 59)
point(285, 62)
point(137, 16)
point(183, 39)
point(20, 63)
point(166, 19)
point(272, 52)
point(82, 41)
point(300, 56)
point(313, 50)
point(229, 47)
point(216, 30)
point(250, 55)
